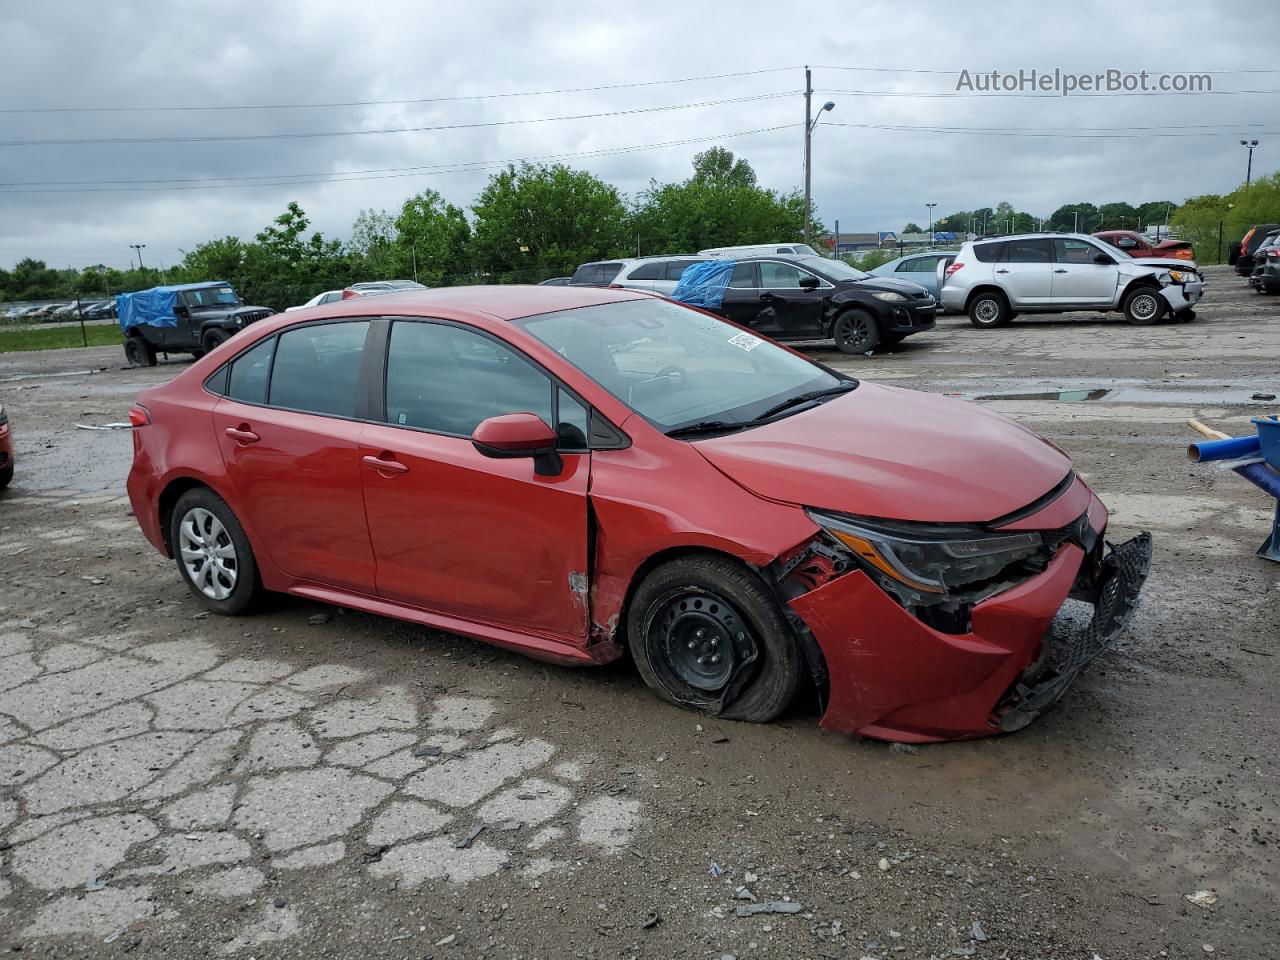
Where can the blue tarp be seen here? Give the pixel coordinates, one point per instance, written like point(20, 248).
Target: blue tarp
point(703, 284)
point(155, 306)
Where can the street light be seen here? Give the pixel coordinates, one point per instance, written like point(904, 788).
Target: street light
point(1250, 144)
point(809, 124)
point(931, 206)
point(138, 247)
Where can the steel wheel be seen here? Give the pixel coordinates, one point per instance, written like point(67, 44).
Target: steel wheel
point(700, 638)
point(208, 553)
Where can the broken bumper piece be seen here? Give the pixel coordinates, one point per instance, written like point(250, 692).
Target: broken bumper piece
point(1068, 650)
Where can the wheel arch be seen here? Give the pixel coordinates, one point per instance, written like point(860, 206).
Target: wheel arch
point(168, 498)
point(987, 288)
point(1145, 280)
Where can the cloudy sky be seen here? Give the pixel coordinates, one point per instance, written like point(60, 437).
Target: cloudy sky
point(883, 63)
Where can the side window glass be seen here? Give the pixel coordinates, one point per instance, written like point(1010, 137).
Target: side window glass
point(1028, 251)
point(774, 275)
point(907, 266)
point(250, 373)
point(447, 379)
point(989, 252)
point(1074, 251)
point(676, 268)
point(648, 271)
point(571, 421)
point(317, 368)
point(744, 275)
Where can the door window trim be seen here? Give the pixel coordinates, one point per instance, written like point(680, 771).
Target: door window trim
point(823, 284)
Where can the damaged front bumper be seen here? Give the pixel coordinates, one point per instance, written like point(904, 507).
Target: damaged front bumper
point(893, 677)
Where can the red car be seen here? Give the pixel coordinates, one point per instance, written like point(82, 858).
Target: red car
point(1136, 245)
point(573, 472)
point(6, 449)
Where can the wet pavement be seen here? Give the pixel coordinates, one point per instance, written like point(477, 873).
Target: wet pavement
point(316, 782)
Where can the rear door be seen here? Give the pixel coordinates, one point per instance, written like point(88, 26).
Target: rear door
point(922, 270)
point(741, 302)
point(288, 433)
point(1078, 278)
point(642, 275)
point(454, 531)
point(1026, 272)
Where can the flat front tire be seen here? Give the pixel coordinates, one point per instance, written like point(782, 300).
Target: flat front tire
point(139, 353)
point(213, 554)
point(707, 635)
point(213, 339)
point(988, 310)
point(856, 331)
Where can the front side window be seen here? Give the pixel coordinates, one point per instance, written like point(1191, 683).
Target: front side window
point(744, 275)
point(210, 297)
point(774, 275)
point(317, 368)
point(674, 365)
point(446, 379)
point(1074, 251)
point(250, 373)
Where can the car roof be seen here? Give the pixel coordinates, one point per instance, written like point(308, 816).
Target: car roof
point(499, 302)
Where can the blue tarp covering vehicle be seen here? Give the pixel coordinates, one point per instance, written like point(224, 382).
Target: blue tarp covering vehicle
point(189, 318)
point(155, 306)
point(703, 284)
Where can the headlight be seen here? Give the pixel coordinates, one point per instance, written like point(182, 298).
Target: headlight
point(927, 558)
point(1165, 278)
point(889, 296)
point(1183, 276)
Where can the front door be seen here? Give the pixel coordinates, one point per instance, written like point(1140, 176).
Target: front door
point(1078, 278)
point(454, 531)
point(288, 436)
point(788, 310)
point(1026, 272)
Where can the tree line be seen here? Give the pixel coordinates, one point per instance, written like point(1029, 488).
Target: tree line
point(1082, 217)
point(529, 222)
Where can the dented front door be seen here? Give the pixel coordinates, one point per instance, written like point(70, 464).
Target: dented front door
point(467, 536)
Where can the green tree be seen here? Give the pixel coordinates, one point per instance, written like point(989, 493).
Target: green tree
point(1065, 219)
point(436, 237)
point(535, 221)
point(1119, 216)
point(913, 227)
point(717, 167)
point(1202, 220)
point(374, 240)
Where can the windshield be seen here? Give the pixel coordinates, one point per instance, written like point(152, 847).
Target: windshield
point(835, 269)
point(211, 297)
point(676, 366)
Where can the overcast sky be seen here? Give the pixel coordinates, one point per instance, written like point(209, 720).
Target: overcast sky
point(59, 54)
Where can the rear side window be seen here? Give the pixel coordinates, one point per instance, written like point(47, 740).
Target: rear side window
point(655, 270)
point(744, 275)
point(317, 368)
point(1028, 251)
point(586, 274)
point(608, 271)
point(676, 268)
point(988, 252)
point(446, 379)
point(251, 372)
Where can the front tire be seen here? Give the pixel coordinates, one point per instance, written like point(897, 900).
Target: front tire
point(214, 339)
point(988, 310)
point(1143, 306)
point(855, 331)
point(139, 353)
point(213, 553)
point(707, 635)
point(6, 475)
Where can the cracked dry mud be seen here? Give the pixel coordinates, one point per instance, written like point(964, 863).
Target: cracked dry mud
point(174, 784)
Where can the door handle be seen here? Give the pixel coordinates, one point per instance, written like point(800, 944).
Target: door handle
point(769, 297)
point(384, 465)
point(1002, 271)
point(242, 434)
point(1060, 270)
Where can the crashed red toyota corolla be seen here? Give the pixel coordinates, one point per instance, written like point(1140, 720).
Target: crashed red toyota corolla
point(569, 472)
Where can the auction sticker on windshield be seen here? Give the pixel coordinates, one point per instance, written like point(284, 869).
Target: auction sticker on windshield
point(746, 341)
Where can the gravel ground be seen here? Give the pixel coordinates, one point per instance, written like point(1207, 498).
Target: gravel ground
point(308, 782)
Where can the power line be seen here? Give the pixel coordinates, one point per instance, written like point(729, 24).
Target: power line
point(954, 73)
point(379, 173)
point(939, 95)
point(407, 101)
point(217, 138)
point(1008, 132)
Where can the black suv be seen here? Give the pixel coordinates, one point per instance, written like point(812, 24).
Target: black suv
point(187, 318)
point(815, 298)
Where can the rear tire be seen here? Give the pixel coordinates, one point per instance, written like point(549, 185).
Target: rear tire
point(988, 310)
point(214, 339)
point(855, 331)
point(139, 353)
point(1143, 306)
point(6, 475)
point(705, 629)
point(213, 554)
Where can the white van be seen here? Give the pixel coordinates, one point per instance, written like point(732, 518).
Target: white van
point(759, 250)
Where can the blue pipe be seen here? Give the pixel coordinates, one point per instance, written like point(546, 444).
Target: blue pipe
point(1262, 476)
point(1230, 449)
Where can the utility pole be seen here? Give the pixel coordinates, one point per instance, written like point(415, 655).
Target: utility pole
point(931, 206)
point(1248, 175)
point(138, 247)
point(836, 248)
point(808, 150)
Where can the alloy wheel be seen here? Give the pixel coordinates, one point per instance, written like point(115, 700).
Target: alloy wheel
point(987, 310)
point(1145, 306)
point(854, 333)
point(208, 553)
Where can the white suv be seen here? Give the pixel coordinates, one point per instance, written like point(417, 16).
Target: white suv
point(659, 274)
point(995, 280)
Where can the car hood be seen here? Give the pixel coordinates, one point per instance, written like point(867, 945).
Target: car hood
point(899, 454)
point(904, 287)
point(1167, 262)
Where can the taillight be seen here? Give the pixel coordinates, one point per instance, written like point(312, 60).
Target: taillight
point(138, 416)
point(1244, 244)
point(1274, 253)
point(954, 267)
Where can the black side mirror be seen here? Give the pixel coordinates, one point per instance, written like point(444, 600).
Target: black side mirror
point(1103, 259)
point(809, 283)
point(181, 311)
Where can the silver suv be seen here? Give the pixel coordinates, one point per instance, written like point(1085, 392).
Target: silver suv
point(659, 274)
point(995, 280)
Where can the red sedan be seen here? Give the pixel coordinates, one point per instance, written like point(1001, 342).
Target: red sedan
point(1137, 245)
point(6, 449)
point(571, 472)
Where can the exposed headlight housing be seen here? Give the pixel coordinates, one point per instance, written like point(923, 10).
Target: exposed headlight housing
point(889, 296)
point(930, 563)
point(1183, 276)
